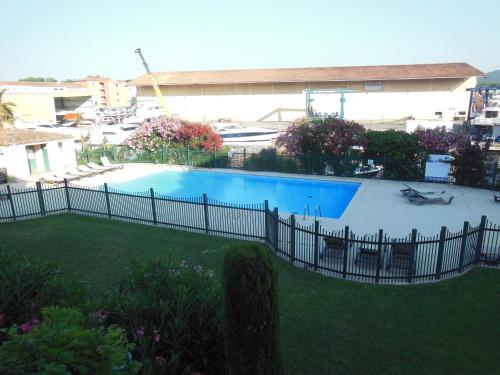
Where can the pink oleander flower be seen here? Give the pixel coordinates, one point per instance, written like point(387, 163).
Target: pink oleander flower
point(26, 327)
point(139, 332)
point(101, 314)
point(160, 360)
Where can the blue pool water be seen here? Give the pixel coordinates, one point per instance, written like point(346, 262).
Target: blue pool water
point(290, 195)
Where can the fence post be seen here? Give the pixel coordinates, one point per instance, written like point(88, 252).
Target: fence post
point(413, 248)
point(346, 251)
point(463, 245)
point(187, 157)
point(274, 160)
point(40, 198)
point(215, 158)
point(266, 219)
point(108, 205)
point(153, 206)
point(439, 264)
point(205, 210)
point(276, 229)
point(292, 238)
point(244, 157)
point(316, 244)
point(11, 201)
point(66, 191)
point(480, 236)
point(379, 254)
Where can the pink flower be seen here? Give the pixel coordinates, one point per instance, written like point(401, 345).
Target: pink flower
point(160, 360)
point(139, 332)
point(26, 327)
point(156, 336)
point(101, 314)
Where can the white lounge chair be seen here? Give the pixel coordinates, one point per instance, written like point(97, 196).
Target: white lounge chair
point(98, 167)
point(85, 169)
point(106, 163)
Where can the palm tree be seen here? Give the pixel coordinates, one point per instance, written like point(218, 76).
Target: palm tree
point(6, 111)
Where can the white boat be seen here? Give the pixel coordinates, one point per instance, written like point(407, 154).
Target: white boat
point(232, 132)
point(490, 114)
point(110, 133)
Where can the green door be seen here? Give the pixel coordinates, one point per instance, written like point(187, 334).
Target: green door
point(30, 152)
point(45, 158)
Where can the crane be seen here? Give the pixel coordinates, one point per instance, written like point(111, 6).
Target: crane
point(153, 81)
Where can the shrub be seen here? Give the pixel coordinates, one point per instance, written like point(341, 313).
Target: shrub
point(468, 164)
point(251, 312)
point(399, 151)
point(62, 345)
point(199, 137)
point(328, 136)
point(27, 284)
point(154, 133)
point(439, 140)
point(268, 160)
point(173, 313)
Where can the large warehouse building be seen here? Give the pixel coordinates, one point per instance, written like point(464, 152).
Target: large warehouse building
point(380, 93)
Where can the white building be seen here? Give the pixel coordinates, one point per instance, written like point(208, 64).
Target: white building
point(26, 153)
point(48, 101)
point(381, 93)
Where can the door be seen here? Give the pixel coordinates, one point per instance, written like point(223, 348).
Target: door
point(45, 158)
point(30, 152)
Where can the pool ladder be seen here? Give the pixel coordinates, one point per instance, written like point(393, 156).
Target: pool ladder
point(317, 211)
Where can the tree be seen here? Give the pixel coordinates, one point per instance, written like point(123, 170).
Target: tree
point(38, 79)
point(330, 136)
point(6, 111)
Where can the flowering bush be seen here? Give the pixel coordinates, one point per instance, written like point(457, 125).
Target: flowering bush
point(199, 136)
point(28, 284)
point(154, 133)
point(61, 344)
point(173, 313)
point(169, 131)
point(329, 136)
point(440, 139)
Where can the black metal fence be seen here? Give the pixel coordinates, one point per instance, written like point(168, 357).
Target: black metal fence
point(375, 258)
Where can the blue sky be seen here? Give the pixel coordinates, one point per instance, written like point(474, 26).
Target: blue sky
point(72, 39)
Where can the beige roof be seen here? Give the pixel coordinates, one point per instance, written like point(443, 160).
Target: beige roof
point(11, 137)
point(347, 73)
point(39, 84)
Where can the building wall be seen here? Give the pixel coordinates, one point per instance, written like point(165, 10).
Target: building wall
point(286, 101)
point(107, 92)
point(15, 158)
point(33, 107)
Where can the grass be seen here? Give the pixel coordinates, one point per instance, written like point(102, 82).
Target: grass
point(328, 326)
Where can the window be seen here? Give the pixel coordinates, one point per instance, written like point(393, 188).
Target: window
point(438, 113)
point(491, 114)
point(461, 113)
point(60, 146)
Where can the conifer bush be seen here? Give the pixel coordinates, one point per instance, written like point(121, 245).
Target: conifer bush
point(251, 312)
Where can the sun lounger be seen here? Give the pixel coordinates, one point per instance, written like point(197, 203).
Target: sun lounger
point(98, 167)
point(85, 169)
point(106, 163)
point(400, 256)
point(420, 199)
point(411, 191)
point(77, 173)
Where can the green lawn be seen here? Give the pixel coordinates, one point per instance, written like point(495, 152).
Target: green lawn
point(328, 326)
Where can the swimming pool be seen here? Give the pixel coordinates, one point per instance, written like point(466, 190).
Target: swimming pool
point(290, 195)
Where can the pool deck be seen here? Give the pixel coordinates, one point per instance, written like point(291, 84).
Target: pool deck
point(378, 204)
